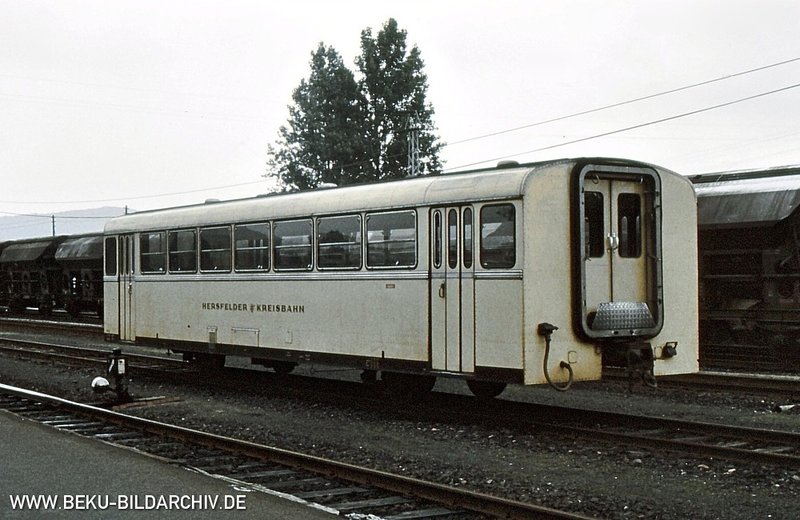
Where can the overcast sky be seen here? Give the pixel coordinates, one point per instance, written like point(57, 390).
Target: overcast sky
point(124, 102)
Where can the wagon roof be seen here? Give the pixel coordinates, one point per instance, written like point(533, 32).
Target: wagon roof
point(24, 251)
point(81, 248)
point(747, 198)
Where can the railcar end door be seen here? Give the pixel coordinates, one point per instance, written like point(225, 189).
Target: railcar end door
point(125, 288)
point(620, 266)
point(615, 265)
point(452, 289)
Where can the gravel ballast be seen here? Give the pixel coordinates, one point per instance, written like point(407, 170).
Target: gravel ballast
point(592, 478)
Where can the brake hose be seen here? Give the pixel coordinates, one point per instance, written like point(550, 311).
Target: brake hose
point(546, 330)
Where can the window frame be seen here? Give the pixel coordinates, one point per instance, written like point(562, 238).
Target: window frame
point(163, 253)
point(310, 246)
point(629, 247)
point(110, 258)
point(414, 239)
point(359, 244)
point(468, 244)
point(594, 241)
point(482, 261)
point(182, 252)
point(267, 248)
point(201, 251)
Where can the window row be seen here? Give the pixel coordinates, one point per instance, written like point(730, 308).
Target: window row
point(391, 242)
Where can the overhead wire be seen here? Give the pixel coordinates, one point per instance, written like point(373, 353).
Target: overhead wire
point(509, 130)
point(627, 102)
point(138, 197)
point(634, 127)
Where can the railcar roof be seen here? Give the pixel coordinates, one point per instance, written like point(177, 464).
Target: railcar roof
point(501, 183)
point(747, 198)
point(507, 181)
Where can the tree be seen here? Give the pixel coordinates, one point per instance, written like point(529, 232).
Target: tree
point(345, 132)
point(323, 141)
point(394, 87)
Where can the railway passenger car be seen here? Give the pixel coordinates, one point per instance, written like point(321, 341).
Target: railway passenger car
point(517, 274)
point(749, 241)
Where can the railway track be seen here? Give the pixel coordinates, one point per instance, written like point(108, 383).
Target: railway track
point(84, 355)
point(689, 438)
point(692, 438)
point(56, 322)
point(740, 382)
point(337, 487)
point(748, 361)
point(788, 387)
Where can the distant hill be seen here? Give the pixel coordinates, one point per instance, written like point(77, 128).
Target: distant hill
point(66, 223)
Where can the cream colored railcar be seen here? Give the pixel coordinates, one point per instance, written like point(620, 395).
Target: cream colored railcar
point(483, 275)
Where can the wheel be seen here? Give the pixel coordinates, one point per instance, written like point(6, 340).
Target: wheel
point(408, 386)
point(485, 389)
point(282, 367)
point(16, 306)
point(208, 362)
point(73, 308)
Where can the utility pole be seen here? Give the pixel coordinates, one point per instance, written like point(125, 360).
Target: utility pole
point(414, 167)
point(53, 219)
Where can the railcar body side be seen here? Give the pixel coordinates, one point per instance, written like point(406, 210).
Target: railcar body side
point(749, 238)
point(434, 275)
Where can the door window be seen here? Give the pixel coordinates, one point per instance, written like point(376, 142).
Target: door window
point(594, 224)
point(629, 216)
point(452, 239)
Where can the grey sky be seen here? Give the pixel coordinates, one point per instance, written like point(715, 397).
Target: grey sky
point(120, 102)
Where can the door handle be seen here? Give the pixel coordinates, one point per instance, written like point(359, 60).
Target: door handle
point(130, 288)
point(613, 242)
point(442, 290)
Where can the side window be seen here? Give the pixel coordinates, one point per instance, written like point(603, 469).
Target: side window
point(339, 242)
point(292, 244)
point(252, 247)
point(215, 249)
point(153, 252)
point(182, 251)
point(498, 236)
point(629, 216)
point(594, 229)
point(392, 239)
point(111, 256)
